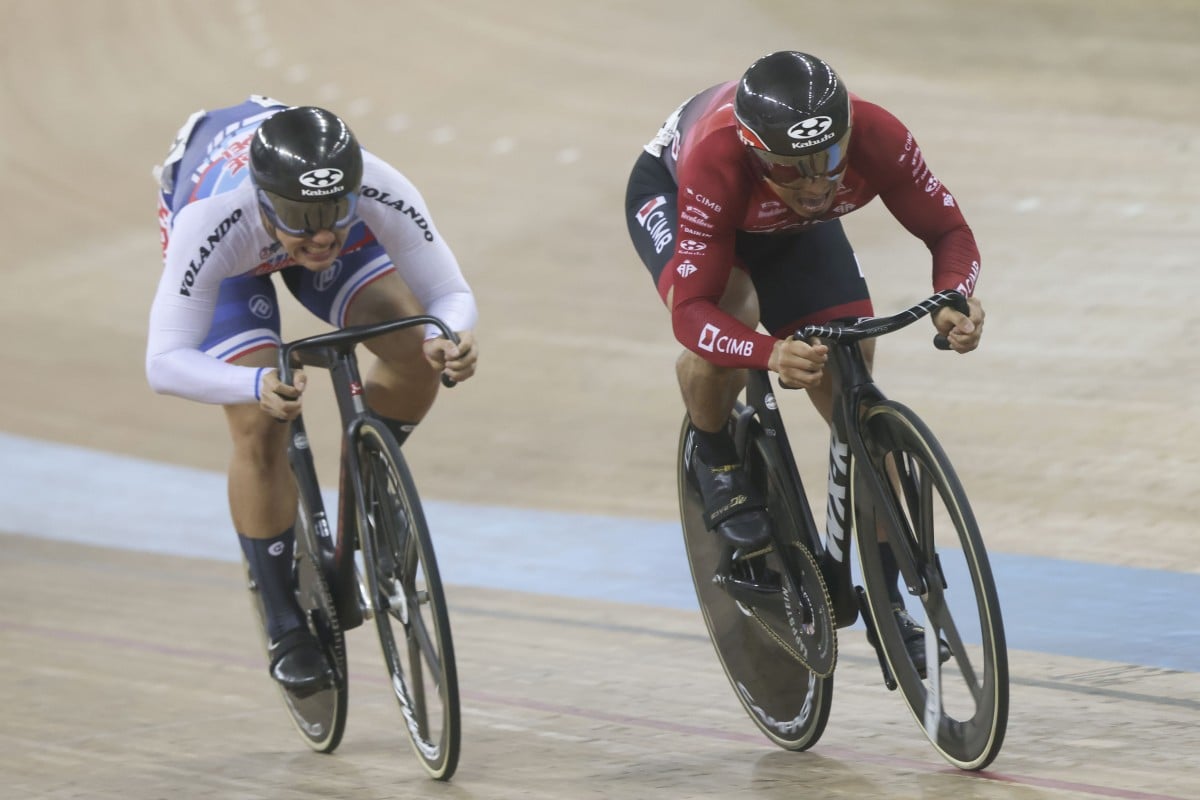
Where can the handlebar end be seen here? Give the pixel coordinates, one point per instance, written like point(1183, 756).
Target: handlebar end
point(958, 301)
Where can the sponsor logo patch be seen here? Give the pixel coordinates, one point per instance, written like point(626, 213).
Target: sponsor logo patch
point(206, 250)
point(397, 203)
point(653, 218)
point(713, 341)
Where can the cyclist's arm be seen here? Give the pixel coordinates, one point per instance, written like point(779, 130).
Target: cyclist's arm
point(712, 201)
point(945, 232)
point(919, 200)
point(702, 327)
point(196, 263)
point(397, 214)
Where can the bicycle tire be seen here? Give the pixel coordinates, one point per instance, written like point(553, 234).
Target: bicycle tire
point(787, 702)
point(405, 590)
point(962, 704)
point(319, 718)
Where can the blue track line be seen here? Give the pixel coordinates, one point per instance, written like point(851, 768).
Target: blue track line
point(1132, 616)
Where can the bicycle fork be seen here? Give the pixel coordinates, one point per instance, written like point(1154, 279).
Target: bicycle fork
point(850, 599)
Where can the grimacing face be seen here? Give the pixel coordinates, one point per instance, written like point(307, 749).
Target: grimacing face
point(315, 251)
point(807, 183)
point(810, 198)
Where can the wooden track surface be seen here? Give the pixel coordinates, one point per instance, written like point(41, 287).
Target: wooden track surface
point(138, 676)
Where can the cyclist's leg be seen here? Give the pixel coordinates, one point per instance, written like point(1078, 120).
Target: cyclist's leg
point(401, 384)
point(709, 392)
point(262, 492)
point(822, 396)
point(651, 207)
point(364, 288)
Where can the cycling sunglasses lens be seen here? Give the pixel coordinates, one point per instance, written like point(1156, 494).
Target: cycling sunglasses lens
point(300, 219)
point(827, 164)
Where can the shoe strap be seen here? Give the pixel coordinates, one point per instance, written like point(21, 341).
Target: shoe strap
point(289, 641)
point(740, 503)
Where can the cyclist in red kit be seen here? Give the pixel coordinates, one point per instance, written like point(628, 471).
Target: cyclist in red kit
point(734, 208)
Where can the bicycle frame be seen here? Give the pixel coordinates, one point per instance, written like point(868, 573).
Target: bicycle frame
point(334, 352)
point(853, 390)
point(893, 492)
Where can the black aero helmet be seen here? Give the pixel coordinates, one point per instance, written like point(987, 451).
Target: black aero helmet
point(307, 165)
point(306, 153)
point(793, 110)
point(791, 103)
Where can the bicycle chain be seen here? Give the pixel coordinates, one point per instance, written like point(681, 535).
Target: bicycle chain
point(787, 646)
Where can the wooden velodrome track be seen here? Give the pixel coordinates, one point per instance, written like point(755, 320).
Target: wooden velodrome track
point(1066, 132)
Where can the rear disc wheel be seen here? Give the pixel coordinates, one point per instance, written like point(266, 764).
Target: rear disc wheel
point(788, 702)
point(320, 718)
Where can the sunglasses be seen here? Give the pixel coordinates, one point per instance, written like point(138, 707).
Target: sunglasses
point(796, 171)
point(297, 218)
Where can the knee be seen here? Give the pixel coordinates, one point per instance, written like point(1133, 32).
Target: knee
point(868, 351)
point(402, 347)
point(821, 396)
point(691, 367)
point(259, 441)
point(402, 353)
point(689, 364)
point(740, 299)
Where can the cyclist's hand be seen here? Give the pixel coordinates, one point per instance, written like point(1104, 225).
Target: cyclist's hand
point(962, 332)
point(456, 362)
point(280, 400)
point(800, 365)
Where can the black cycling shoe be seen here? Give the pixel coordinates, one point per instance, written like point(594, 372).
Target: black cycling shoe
point(914, 641)
point(732, 507)
point(298, 664)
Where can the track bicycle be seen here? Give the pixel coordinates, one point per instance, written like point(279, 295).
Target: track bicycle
point(773, 614)
point(377, 563)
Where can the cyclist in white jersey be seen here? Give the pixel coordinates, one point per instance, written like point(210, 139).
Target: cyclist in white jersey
point(259, 188)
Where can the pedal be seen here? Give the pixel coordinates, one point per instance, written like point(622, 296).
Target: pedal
point(747, 578)
point(349, 609)
point(844, 604)
point(364, 597)
point(752, 592)
point(888, 679)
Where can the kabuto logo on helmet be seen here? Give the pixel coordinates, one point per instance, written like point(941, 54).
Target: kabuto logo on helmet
point(322, 181)
point(811, 133)
point(811, 128)
point(320, 178)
